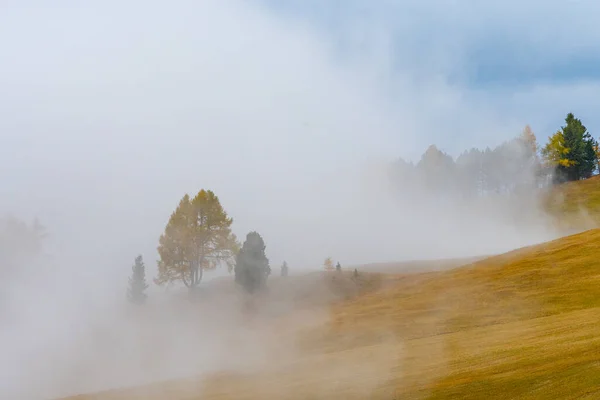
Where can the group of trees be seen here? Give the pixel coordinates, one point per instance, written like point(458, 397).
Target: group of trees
point(572, 151)
point(198, 237)
point(328, 265)
point(515, 165)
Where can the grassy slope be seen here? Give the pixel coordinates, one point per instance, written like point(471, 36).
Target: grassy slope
point(576, 204)
point(520, 325)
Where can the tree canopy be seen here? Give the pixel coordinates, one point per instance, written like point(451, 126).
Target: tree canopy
point(572, 151)
point(252, 265)
point(197, 237)
point(516, 165)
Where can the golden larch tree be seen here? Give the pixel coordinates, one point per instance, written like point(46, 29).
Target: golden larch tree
point(328, 264)
point(555, 151)
point(528, 137)
point(197, 237)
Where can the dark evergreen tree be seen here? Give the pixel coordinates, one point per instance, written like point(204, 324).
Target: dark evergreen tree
point(338, 267)
point(284, 269)
point(577, 140)
point(251, 264)
point(590, 156)
point(137, 282)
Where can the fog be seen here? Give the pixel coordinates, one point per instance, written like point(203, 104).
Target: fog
point(110, 113)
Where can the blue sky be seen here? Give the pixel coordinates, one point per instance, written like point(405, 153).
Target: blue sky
point(510, 50)
point(496, 51)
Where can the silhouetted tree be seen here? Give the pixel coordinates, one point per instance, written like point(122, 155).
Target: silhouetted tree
point(21, 246)
point(252, 265)
point(197, 237)
point(580, 154)
point(436, 170)
point(590, 156)
point(284, 269)
point(137, 282)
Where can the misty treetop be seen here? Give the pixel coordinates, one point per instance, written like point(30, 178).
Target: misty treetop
point(137, 282)
point(197, 237)
point(20, 243)
point(252, 265)
point(515, 165)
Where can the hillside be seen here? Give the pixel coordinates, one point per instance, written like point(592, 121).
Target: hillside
point(519, 325)
point(576, 205)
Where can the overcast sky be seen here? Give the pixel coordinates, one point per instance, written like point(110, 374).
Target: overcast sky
point(111, 111)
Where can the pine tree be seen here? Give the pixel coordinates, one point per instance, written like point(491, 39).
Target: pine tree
point(284, 269)
point(252, 265)
point(590, 156)
point(137, 282)
point(578, 142)
point(597, 150)
point(530, 168)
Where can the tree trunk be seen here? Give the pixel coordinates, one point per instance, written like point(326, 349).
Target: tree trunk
point(193, 274)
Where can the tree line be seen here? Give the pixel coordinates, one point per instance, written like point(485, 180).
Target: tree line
point(519, 164)
point(198, 237)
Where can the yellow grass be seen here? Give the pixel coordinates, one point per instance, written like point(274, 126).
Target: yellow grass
point(525, 324)
point(575, 204)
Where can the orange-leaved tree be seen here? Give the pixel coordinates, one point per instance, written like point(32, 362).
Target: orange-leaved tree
point(328, 264)
point(197, 237)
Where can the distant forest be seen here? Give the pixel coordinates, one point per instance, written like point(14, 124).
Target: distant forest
point(517, 165)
